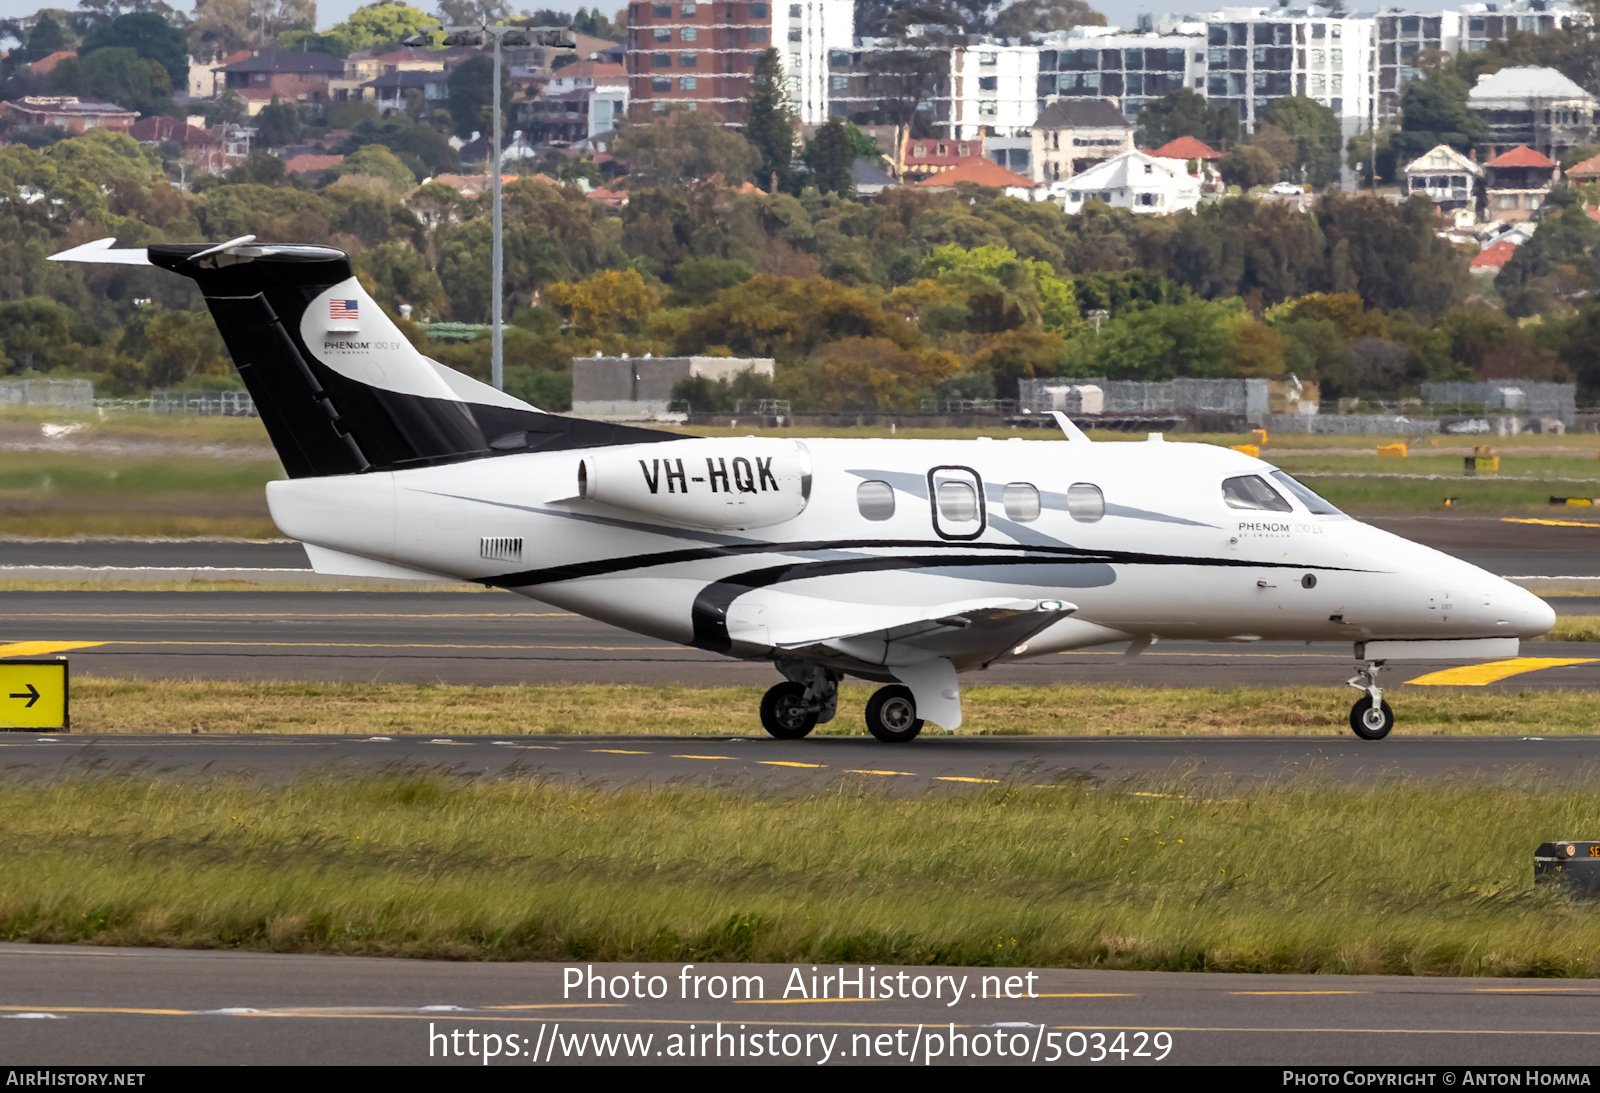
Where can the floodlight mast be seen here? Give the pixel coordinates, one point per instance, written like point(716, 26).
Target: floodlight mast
point(498, 35)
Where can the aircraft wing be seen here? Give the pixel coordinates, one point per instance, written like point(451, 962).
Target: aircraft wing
point(965, 631)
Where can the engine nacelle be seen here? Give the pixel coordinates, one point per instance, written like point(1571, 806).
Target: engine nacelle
point(722, 483)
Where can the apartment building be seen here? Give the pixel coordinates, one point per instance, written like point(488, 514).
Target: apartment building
point(1129, 69)
point(813, 30)
point(688, 55)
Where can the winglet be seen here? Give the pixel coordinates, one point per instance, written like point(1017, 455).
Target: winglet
point(101, 251)
point(1072, 431)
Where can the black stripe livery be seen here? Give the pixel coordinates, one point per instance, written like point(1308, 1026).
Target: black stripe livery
point(322, 423)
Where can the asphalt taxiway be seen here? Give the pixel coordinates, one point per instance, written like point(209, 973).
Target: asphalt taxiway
point(132, 1007)
point(499, 638)
point(935, 761)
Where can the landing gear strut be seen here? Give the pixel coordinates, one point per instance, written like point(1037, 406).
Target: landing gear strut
point(808, 698)
point(1370, 718)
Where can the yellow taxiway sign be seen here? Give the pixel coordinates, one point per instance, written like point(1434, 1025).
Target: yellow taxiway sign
point(33, 695)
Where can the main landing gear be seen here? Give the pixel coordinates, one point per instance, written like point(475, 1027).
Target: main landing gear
point(810, 697)
point(1370, 718)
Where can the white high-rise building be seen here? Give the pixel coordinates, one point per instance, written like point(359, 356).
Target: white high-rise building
point(807, 31)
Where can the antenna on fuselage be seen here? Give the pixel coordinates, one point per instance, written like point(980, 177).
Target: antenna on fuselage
point(1072, 431)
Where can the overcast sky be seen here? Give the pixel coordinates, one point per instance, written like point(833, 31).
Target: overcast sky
point(1122, 13)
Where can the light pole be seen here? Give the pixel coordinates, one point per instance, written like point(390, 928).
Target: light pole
point(498, 35)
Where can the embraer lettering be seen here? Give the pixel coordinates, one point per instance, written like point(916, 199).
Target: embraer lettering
point(747, 475)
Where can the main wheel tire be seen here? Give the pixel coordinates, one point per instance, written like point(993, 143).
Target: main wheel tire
point(783, 712)
point(1369, 723)
point(892, 715)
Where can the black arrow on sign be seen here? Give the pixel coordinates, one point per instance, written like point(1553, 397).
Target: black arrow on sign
point(32, 695)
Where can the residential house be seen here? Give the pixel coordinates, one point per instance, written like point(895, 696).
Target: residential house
point(206, 79)
point(1587, 171)
point(1488, 261)
point(292, 76)
point(871, 180)
point(390, 91)
point(206, 150)
point(313, 166)
point(581, 100)
point(1072, 135)
point(1187, 148)
point(1517, 183)
point(71, 113)
point(921, 157)
point(1448, 178)
point(1136, 181)
point(982, 172)
point(1538, 107)
point(46, 64)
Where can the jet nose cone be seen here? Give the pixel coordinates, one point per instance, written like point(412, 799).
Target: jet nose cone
point(1529, 615)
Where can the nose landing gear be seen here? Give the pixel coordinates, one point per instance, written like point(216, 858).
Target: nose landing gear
point(1370, 718)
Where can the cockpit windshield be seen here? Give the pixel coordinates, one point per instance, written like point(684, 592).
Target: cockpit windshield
point(1310, 500)
point(1250, 492)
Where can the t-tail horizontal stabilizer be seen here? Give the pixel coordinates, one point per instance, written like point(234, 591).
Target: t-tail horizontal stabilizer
point(340, 388)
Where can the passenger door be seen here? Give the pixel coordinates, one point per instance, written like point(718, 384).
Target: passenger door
point(956, 494)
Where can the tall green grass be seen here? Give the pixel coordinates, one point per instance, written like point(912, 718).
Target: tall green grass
point(1400, 878)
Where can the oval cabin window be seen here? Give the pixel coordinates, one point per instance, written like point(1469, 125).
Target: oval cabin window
point(1021, 502)
point(875, 500)
point(958, 502)
point(1085, 502)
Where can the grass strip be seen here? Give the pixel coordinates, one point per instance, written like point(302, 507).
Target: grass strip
point(1400, 878)
point(121, 706)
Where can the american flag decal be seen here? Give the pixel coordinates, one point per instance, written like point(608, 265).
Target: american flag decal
point(343, 309)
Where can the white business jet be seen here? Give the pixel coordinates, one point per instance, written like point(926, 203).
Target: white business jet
point(900, 561)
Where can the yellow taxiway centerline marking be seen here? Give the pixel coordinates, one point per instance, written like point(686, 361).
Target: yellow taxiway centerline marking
point(1477, 675)
point(40, 648)
point(953, 778)
point(781, 763)
point(702, 757)
point(907, 773)
point(616, 751)
point(1275, 993)
point(1530, 990)
point(1551, 523)
point(96, 1009)
point(562, 1006)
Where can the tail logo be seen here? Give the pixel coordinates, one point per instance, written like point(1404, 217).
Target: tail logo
point(343, 309)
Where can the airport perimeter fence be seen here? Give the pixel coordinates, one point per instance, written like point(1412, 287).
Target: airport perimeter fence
point(216, 404)
point(1353, 424)
point(1241, 398)
point(69, 394)
point(1544, 400)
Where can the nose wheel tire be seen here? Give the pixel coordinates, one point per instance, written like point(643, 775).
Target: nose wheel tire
point(892, 715)
point(1371, 722)
point(784, 713)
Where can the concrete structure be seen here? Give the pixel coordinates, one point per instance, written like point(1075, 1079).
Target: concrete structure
point(1538, 107)
point(689, 55)
point(1127, 69)
point(1256, 55)
point(71, 113)
point(1401, 37)
point(811, 32)
point(581, 101)
point(994, 93)
point(1072, 135)
point(641, 387)
point(1138, 182)
point(1517, 183)
point(1449, 178)
point(1242, 400)
point(1485, 23)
